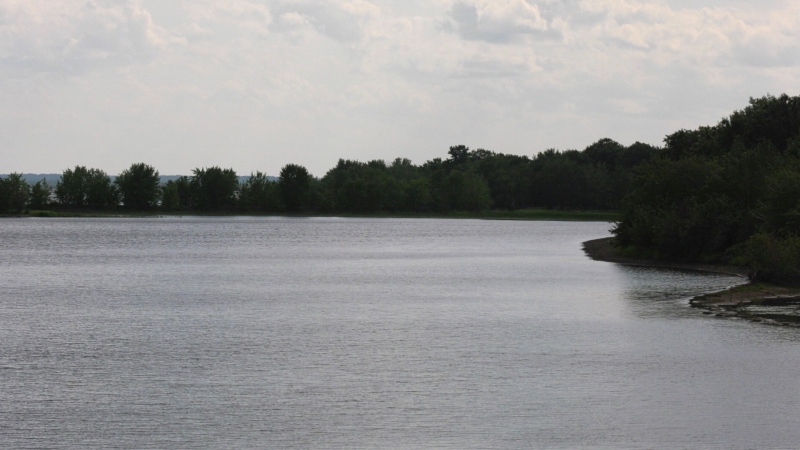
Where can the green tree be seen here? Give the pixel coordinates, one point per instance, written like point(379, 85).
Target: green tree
point(41, 194)
point(773, 259)
point(101, 193)
point(215, 189)
point(71, 188)
point(14, 193)
point(294, 183)
point(139, 187)
point(81, 187)
point(418, 195)
point(185, 193)
point(170, 199)
point(780, 205)
point(258, 193)
point(4, 196)
point(466, 192)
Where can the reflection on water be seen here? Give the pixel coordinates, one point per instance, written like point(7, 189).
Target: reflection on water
point(663, 292)
point(361, 333)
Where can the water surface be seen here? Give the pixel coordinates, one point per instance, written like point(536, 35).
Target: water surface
point(370, 333)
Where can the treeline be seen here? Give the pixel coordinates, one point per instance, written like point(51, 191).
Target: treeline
point(729, 192)
point(467, 180)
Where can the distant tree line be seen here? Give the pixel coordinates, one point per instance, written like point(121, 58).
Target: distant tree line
point(467, 180)
point(729, 192)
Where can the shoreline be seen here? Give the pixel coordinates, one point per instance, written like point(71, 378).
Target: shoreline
point(602, 250)
point(531, 214)
point(755, 302)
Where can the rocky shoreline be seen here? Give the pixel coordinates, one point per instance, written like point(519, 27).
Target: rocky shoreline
point(756, 302)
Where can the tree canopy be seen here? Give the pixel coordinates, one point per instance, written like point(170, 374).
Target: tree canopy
point(139, 187)
point(729, 192)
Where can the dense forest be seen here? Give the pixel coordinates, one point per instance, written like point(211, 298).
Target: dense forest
point(723, 193)
point(729, 192)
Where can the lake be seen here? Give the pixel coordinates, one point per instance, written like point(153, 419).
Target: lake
point(249, 332)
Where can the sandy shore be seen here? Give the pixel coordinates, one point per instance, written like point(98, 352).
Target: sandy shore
point(759, 302)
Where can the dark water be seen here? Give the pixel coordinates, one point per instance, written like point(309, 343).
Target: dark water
point(356, 333)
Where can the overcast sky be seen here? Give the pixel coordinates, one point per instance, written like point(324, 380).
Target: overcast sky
point(254, 85)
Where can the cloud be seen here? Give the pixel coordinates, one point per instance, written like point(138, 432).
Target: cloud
point(498, 21)
point(342, 20)
point(256, 82)
point(73, 37)
point(702, 36)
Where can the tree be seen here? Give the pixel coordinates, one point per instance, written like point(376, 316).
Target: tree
point(258, 193)
point(14, 193)
point(466, 192)
point(184, 187)
point(71, 187)
point(295, 187)
point(215, 189)
point(101, 193)
point(82, 187)
point(170, 200)
point(418, 195)
point(41, 193)
point(139, 187)
point(4, 196)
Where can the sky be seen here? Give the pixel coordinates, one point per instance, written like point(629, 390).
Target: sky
point(254, 85)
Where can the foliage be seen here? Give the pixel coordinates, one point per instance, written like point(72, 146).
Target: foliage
point(466, 191)
point(773, 259)
point(726, 191)
point(101, 193)
point(41, 195)
point(14, 194)
point(170, 200)
point(294, 186)
point(468, 180)
point(214, 189)
point(72, 186)
point(260, 194)
point(139, 187)
point(81, 187)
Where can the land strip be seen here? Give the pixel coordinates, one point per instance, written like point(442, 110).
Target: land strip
point(757, 302)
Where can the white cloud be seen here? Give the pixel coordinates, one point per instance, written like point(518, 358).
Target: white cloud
point(341, 20)
point(255, 84)
point(72, 37)
point(497, 21)
point(702, 36)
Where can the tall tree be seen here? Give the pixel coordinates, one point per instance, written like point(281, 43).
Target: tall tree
point(41, 193)
point(101, 193)
point(170, 200)
point(81, 187)
point(14, 193)
point(258, 193)
point(295, 187)
point(71, 187)
point(139, 187)
point(215, 189)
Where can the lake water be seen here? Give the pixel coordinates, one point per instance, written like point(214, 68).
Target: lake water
point(211, 333)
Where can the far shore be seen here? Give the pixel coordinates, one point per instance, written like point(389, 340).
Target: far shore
point(533, 214)
point(757, 302)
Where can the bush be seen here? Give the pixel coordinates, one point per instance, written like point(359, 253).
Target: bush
point(773, 259)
